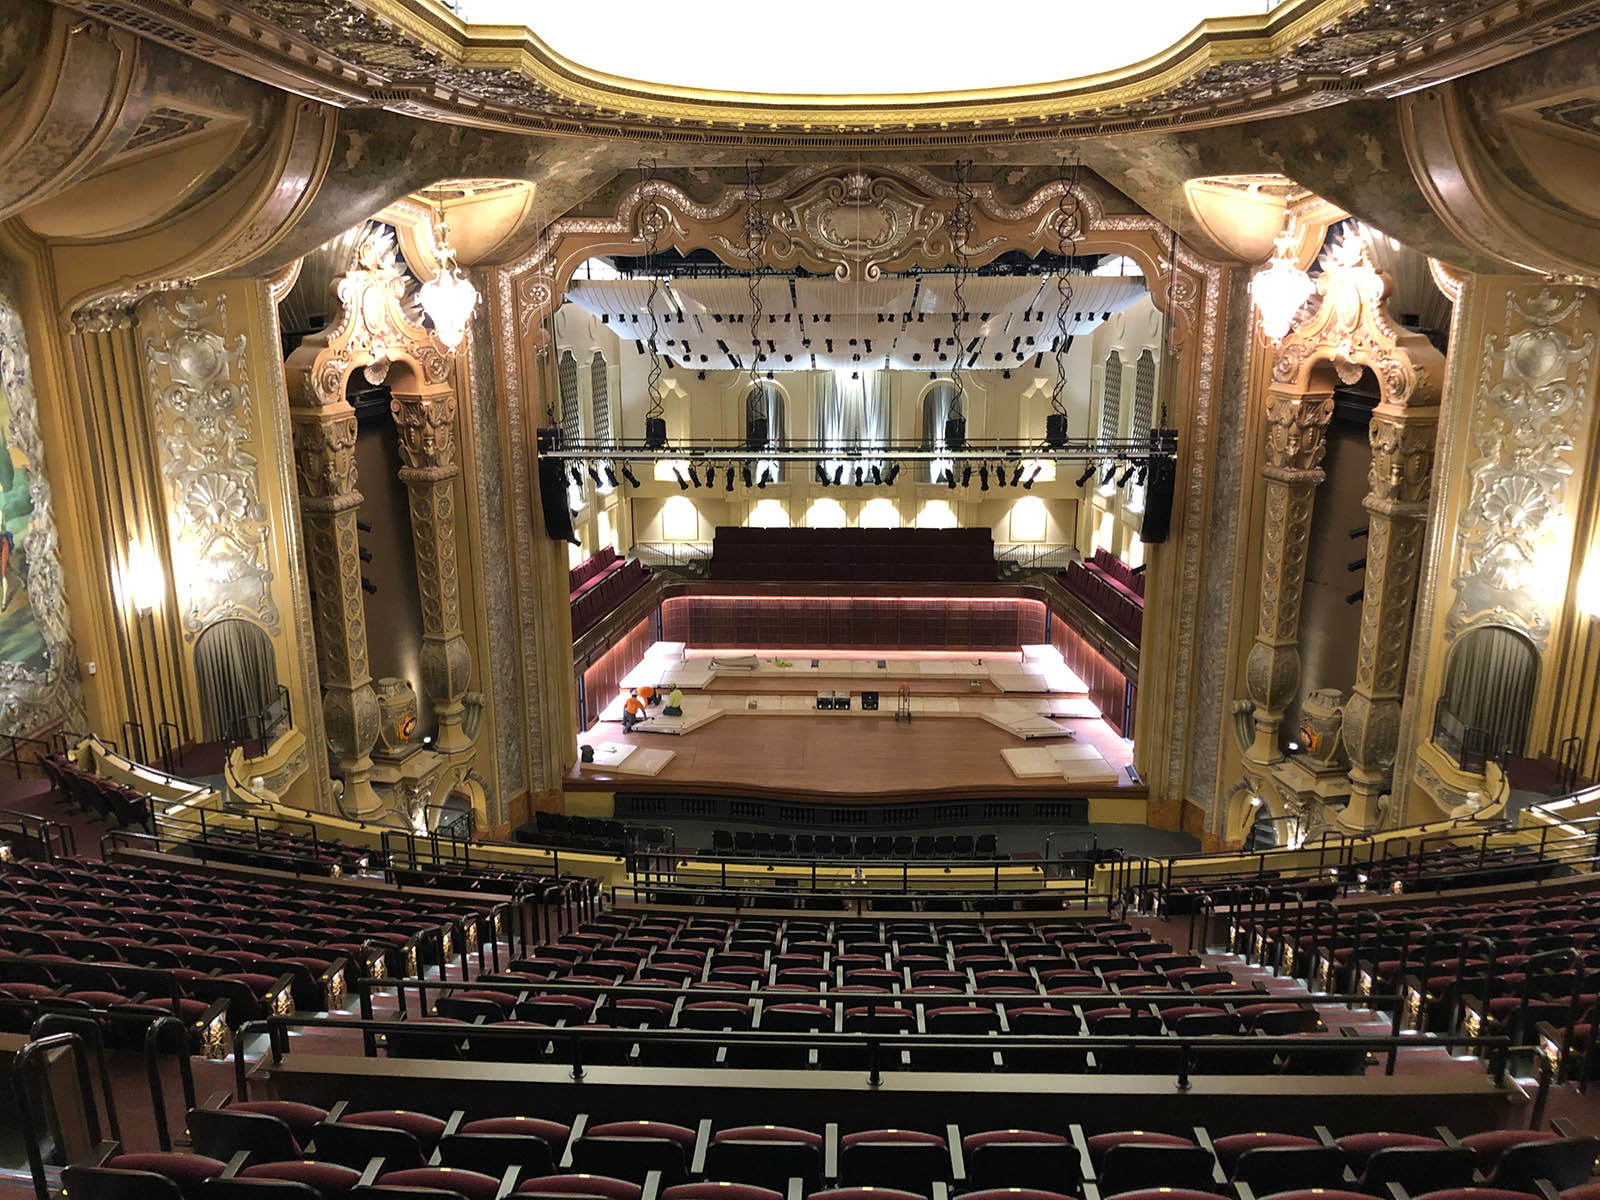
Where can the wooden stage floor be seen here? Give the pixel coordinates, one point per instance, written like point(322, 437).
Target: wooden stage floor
point(842, 758)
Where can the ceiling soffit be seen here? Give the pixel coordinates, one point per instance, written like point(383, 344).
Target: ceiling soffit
point(415, 57)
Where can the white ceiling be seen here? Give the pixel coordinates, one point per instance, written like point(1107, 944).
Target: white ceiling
point(897, 324)
point(847, 48)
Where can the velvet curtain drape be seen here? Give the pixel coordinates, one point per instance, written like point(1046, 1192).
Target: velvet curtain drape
point(237, 678)
point(1490, 685)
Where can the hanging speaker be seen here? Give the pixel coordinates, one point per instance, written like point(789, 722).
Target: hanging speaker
point(553, 499)
point(755, 433)
point(1055, 429)
point(955, 433)
point(1158, 500)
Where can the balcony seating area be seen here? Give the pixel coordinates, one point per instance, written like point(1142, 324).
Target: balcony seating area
point(863, 846)
point(1061, 981)
point(599, 584)
point(277, 849)
point(143, 941)
point(103, 799)
point(580, 833)
point(1112, 591)
point(853, 555)
point(282, 1150)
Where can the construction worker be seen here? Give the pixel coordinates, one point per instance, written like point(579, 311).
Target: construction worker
point(632, 711)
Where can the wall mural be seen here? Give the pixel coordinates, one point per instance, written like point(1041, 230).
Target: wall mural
point(37, 683)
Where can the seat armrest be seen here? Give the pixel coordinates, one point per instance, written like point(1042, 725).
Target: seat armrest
point(236, 1164)
point(702, 1137)
point(370, 1173)
point(958, 1166)
point(652, 1186)
point(830, 1153)
point(508, 1181)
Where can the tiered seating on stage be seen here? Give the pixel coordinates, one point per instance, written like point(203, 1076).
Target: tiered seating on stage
point(599, 584)
point(1111, 589)
point(280, 1149)
point(853, 555)
point(103, 798)
point(138, 941)
point(863, 846)
point(581, 833)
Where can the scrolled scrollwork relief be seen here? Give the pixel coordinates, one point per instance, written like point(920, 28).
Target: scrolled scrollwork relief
point(204, 425)
point(1531, 402)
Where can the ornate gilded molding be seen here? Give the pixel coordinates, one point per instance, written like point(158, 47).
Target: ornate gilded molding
point(201, 409)
point(419, 58)
point(43, 687)
point(1531, 404)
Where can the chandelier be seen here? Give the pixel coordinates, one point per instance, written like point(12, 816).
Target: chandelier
point(1280, 288)
point(449, 297)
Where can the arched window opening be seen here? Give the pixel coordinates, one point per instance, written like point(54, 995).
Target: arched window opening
point(936, 402)
point(765, 425)
point(599, 396)
point(1488, 696)
point(1111, 397)
point(237, 680)
point(571, 419)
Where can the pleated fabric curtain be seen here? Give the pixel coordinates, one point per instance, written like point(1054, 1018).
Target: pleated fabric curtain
point(1490, 685)
point(237, 678)
point(935, 412)
point(764, 401)
point(854, 416)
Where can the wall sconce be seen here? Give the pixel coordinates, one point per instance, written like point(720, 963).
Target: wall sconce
point(146, 584)
point(1279, 289)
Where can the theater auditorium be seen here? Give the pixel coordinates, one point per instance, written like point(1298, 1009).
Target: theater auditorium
point(853, 602)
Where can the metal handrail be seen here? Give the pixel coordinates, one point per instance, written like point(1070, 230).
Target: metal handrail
point(22, 1066)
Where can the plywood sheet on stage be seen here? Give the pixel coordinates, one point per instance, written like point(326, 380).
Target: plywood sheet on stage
point(655, 670)
point(619, 758)
point(1028, 762)
point(696, 713)
point(1084, 771)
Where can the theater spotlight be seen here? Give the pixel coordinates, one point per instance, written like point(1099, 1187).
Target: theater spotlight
point(822, 476)
point(1088, 473)
point(627, 473)
point(1144, 473)
point(966, 476)
point(682, 482)
point(950, 478)
point(838, 474)
point(861, 475)
point(1111, 469)
point(1127, 475)
point(594, 475)
point(745, 474)
point(729, 486)
point(765, 477)
point(983, 478)
point(611, 475)
point(1016, 476)
point(694, 476)
point(577, 475)
point(894, 473)
point(1027, 483)
point(877, 475)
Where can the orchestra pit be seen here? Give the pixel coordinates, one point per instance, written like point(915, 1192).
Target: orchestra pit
point(596, 606)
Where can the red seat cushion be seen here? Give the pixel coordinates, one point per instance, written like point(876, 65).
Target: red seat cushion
point(1359, 1147)
point(1492, 1144)
point(300, 1118)
point(425, 1128)
point(719, 1191)
point(769, 1133)
point(330, 1179)
point(551, 1131)
point(1229, 1148)
point(186, 1170)
point(585, 1185)
point(471, 1184)
point(901, 1136)
point(1101, 1143)
point(972, 1141)
point(643, 1129)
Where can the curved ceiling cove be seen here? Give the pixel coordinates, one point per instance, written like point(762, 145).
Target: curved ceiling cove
point(858, 50)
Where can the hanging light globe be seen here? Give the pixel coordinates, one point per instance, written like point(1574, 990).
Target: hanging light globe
point(449, 297)
point(1279, 289)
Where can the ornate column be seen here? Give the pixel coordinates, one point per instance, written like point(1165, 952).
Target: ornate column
point(1297, 423)
point(1402, 464)
point(425, 423)
point(325, 463)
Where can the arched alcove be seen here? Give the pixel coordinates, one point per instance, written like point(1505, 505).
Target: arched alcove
point(236, 677)
point(1489, 686)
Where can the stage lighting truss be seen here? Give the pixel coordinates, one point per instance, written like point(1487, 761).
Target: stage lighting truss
point(839, 462)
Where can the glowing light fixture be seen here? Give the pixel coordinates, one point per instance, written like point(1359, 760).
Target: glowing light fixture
point(145, 582)
point(1280, 288)
point(449, 297)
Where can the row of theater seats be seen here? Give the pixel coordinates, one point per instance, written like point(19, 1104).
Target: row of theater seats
point(581, 833)
point(245, 1149)
point(865, 845)
point(1100, 979)
point(1443, 869)
point(102, 798)
point(1497, 967)
point(282, 850)
point(1109, 588)
point(818, 555)
point(139, 941)
point(599, 584)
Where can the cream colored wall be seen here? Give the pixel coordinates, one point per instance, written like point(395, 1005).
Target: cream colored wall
point(1110, 518)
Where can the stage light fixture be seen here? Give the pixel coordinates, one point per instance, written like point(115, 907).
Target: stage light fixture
point(1127, 475)
point(822, 476)
point(838, 474)
point(950, 479)
point(594, 475)
point(1088, 474)
point(983, 478)
point(729, 486)
point(627, 473)
point(694, 476)
point(745, 473)
point(1000, 474)
point(766, 477)
point(611, 475)
point(1111, 469)
point(1027, 484)
point(1144, 473)
point(577, 476)
point(877, 475)
point(682, 482)
point(966, 476)
point(894, 472)
point(1016, 476)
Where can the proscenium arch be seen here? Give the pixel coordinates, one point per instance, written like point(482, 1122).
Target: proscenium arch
point(1187, 287)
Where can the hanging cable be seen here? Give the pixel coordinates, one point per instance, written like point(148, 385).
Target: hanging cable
point(651, 220)
point(1067, 219)
point(961, 227)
